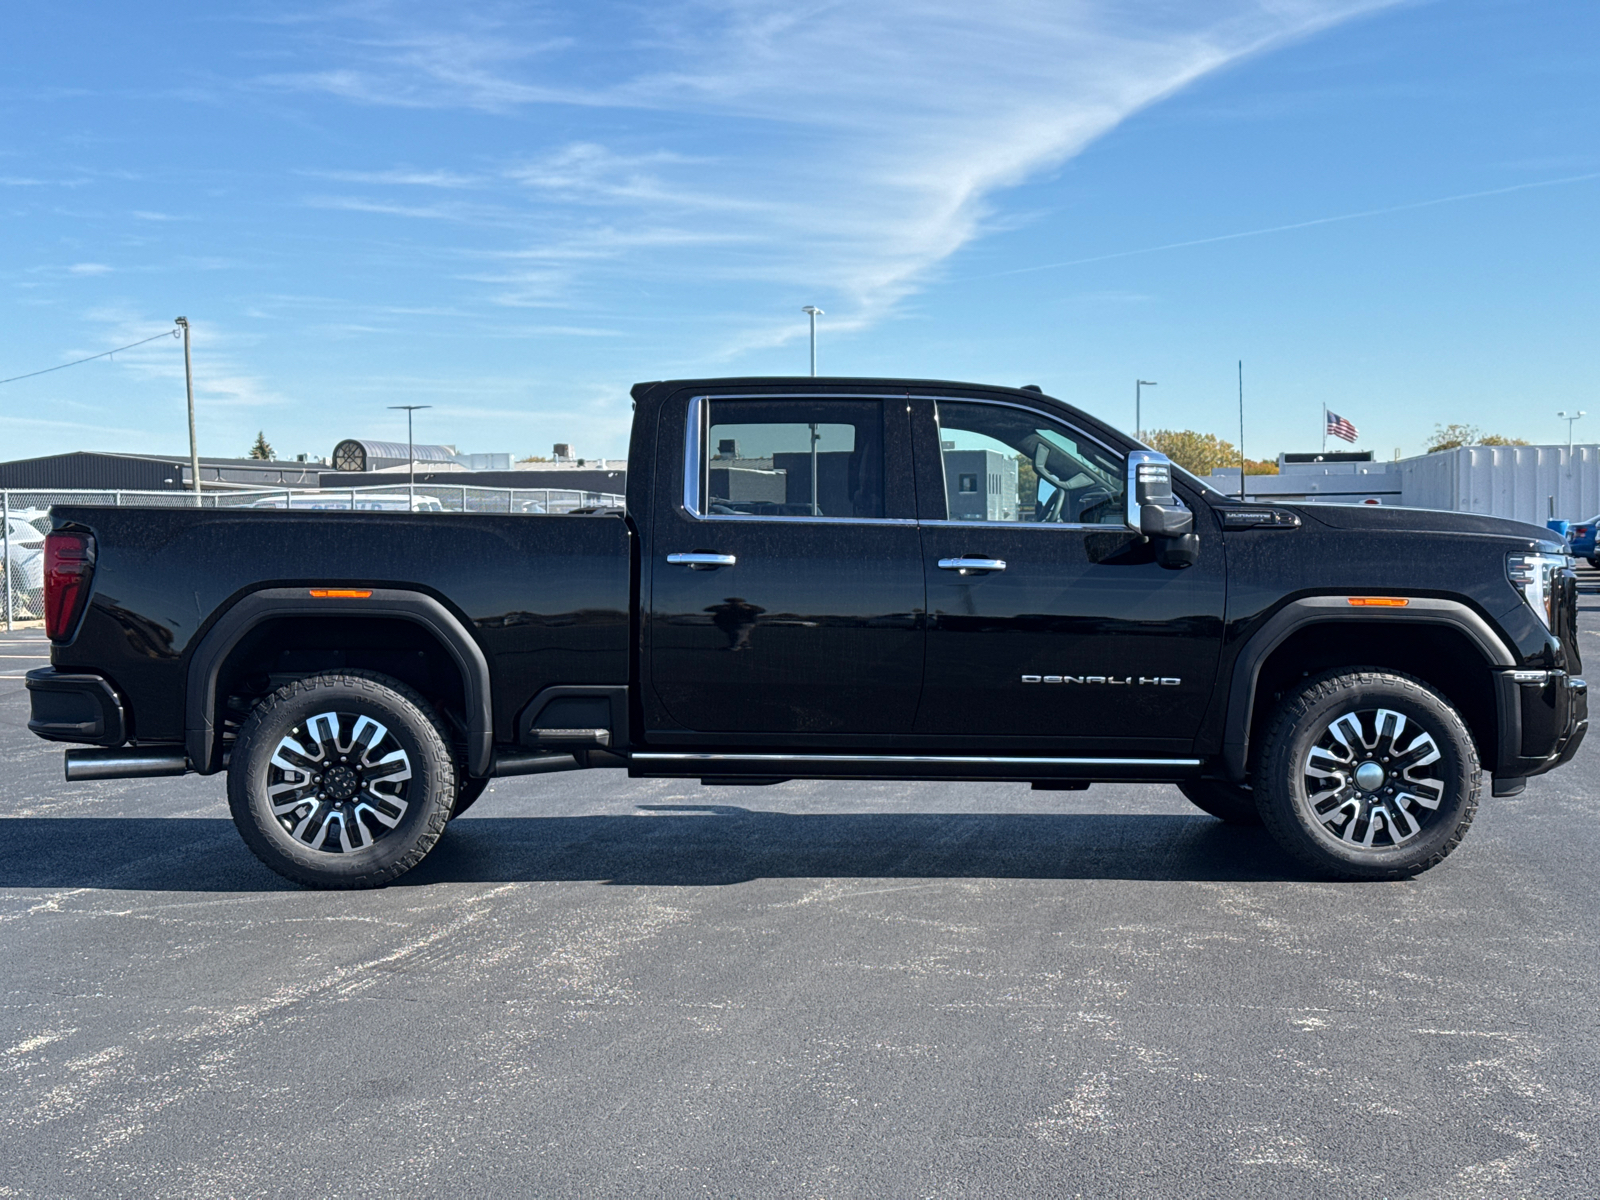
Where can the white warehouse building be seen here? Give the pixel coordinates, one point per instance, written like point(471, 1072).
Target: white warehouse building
point(1526, 483)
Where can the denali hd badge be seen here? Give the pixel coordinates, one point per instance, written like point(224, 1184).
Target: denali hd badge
point(1114, 680)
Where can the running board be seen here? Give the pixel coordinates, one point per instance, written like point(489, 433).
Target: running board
point(644, 764)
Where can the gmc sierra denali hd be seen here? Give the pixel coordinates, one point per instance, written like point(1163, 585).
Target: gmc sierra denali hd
point(825, 579)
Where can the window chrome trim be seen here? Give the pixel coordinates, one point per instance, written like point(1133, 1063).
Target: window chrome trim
point(697, 432)
point(694, 432)
point(1119, 527)
point(806, 520)
point(956, 759)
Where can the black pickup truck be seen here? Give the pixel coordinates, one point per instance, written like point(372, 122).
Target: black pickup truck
point(825, 579)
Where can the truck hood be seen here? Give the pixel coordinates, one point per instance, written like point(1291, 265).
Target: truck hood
point(1376, 518)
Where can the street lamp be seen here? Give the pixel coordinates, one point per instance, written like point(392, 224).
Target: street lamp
point(411, 453)
point(1138, 387)
point(812, 311)
point(1569, 418)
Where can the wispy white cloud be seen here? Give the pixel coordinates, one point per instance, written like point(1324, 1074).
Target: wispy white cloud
point(845, 150)
point(402, 176)
point(88, 268)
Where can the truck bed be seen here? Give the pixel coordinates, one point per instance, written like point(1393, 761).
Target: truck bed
point(547, 597)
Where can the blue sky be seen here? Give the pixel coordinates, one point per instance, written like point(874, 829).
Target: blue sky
point(513, 212)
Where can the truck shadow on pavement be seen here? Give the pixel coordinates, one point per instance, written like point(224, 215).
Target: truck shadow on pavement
point(671, 846)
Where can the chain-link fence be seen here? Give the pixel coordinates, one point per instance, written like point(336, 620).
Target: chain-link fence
point(25, 517)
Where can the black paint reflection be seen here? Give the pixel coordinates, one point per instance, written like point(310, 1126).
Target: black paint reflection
point(736, 618)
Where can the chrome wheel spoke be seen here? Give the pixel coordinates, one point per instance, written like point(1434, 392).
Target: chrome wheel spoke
point(339, 784)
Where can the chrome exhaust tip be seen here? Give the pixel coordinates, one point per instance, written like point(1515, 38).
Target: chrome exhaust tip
point(124, 762)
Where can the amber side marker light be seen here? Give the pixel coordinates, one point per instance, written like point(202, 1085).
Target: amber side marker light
point(1377, 601)
point(341, 593)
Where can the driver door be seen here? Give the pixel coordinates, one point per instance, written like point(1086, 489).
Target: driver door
point(1048, 618)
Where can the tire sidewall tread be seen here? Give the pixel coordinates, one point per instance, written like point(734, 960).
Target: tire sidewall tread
point(1277, 770)
point(433, 773)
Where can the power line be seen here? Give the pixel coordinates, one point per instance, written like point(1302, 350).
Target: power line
point(92, 357)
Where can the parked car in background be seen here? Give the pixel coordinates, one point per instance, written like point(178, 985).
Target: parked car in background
point(24, 561)
point(342, 501)
point(1581, 537)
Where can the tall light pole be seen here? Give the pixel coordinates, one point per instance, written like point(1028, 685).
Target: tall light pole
point(1569, 418)
point(411, 454)
point(812, 311)
point(1138, 389)
point(188, 384)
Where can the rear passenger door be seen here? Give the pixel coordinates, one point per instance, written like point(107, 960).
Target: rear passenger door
point(786, 586)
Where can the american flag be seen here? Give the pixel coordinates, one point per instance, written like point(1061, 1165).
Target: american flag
point(1341, 428)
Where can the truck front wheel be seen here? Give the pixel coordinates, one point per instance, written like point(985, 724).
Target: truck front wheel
point(1368, 774)
point(342, 780)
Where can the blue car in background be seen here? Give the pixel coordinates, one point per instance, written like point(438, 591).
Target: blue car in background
point(1580, 538)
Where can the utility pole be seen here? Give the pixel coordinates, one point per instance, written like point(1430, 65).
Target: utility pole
point(411, 454)
point(812, 311)
point(1138, 398)
point(188, 383)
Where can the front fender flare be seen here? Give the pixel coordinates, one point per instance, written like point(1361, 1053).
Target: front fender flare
point(1313, 610)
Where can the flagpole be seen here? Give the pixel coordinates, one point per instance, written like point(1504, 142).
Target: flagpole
point(1241, 434)
point(1324, 428)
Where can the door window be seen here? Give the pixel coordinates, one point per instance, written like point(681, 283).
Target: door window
point(801, 457)
point(1011, 465)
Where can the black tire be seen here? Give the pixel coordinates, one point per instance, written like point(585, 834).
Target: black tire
point(387, 821)
point(1307, 772)
point(468, 790)
point(1594, 562)
point(1226, 801)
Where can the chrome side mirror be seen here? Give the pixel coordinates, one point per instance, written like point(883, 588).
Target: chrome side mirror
point(1153, 509)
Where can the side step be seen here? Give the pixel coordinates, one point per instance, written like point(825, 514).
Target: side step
point(1051, 772)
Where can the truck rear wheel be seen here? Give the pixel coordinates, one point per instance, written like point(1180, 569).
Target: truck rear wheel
point(342, 780)
point(1225, 801)
point(1368, 774)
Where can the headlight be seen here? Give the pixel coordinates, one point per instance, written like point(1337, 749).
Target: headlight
point(1533, 575)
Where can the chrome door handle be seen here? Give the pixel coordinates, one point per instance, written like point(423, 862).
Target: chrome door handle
point(702, 560)
point(972, 564)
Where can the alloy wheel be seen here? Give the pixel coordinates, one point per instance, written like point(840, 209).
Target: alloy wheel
point(1373, 779)
point(338, 783)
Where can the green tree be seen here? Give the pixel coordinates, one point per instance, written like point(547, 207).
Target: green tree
point(261, 449)
point(1202, 453)
point(1195, 452)
point(1456, 435)
point(1027, 482)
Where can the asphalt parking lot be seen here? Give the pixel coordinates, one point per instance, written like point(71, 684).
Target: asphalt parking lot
point(603, 987)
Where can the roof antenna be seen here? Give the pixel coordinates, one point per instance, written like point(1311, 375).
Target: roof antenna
point(1032, 387)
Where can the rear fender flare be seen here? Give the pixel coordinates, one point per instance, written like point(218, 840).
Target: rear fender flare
point(1314, 610)
point(200, 699)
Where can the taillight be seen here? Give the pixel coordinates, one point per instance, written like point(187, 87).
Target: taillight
point(68, 566)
